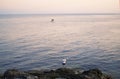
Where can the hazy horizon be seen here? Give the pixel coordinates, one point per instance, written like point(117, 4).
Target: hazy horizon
point(59, 13)
point(58, 6)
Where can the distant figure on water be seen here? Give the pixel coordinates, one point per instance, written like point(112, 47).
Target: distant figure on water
point(64, 62)
point(52, 20)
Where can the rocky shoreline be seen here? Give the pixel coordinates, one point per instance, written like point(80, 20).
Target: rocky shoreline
point(60, 73)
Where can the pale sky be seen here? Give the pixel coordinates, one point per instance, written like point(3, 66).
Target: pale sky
point(59, 6)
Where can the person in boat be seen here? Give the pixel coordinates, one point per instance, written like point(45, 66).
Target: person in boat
point(52, 20)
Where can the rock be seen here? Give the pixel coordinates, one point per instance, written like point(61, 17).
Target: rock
point(1, 77)
point(16, 74)
point(61, 73)
point(65, 71)
point(92, 74)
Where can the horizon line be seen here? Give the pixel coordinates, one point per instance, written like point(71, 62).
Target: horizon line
point(60, 13)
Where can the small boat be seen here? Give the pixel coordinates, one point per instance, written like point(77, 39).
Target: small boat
point(52, 20)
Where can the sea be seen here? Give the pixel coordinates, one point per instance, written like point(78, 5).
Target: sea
point(34, 42)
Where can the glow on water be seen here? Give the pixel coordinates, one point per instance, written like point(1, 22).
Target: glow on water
point(87, 41)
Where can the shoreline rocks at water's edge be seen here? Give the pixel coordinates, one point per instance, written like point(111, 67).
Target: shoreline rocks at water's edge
point(60, 73)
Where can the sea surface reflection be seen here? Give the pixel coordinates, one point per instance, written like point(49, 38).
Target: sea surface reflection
point(87, 41)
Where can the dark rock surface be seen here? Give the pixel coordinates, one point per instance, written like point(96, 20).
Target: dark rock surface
point(61, 73)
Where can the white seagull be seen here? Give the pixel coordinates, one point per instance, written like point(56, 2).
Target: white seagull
point(64, 62)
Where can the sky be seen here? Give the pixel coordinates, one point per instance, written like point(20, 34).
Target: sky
point(59, 6)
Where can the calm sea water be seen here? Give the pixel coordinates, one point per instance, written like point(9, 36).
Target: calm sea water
point(87, 41)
